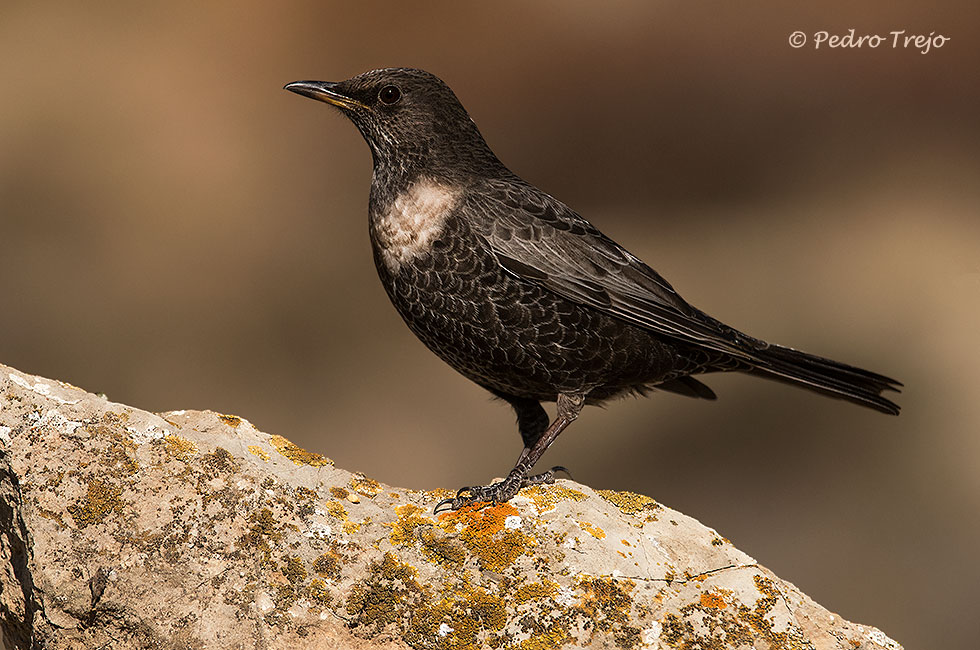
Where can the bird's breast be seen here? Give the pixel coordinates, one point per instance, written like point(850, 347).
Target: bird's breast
point(406, 227)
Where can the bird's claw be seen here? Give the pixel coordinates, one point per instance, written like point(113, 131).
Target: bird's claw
point(546, 477)
point(498, 492)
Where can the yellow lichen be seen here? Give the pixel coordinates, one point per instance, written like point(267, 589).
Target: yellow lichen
point(338, 492)
point(53, 516)
point(351, 527)
point(438, 494)
point(365, 486)
point(409, 518)
point(551, 638)
point(591, 529)
point(629, 503)
point(293, 569)
point(261, 532)
point(703, 622)
point(383, 598)
point(458, 619)
point(534, 591)
point(255, 450)
point(297, 454)
point(545, 497)
point(318, 593)
point(230, 420)
point(336, 510)
point(100, 501)
point(307, 494)
point(178, 447)
point(327, 565)
point(220, 460)
point(607, 603)
point(441, 549)
point(120, 450)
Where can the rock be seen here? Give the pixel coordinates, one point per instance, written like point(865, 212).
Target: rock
point(126, 529)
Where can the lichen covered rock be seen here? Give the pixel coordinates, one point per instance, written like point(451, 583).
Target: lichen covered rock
point(126, 529)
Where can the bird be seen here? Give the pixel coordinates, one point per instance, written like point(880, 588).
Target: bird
point(521, 294)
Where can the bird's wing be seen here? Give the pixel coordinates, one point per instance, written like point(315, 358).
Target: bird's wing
point(538, 239)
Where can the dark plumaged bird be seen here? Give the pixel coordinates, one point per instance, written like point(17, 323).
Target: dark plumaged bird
point(519, 293)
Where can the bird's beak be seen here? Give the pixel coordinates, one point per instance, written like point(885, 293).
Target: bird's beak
point(324, 91)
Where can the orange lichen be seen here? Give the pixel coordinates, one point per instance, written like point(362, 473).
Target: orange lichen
point(485, 534)
point(703, 622)
point(713, 600)
point(231, 420)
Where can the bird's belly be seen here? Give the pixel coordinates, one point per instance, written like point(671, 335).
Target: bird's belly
point(515, 337)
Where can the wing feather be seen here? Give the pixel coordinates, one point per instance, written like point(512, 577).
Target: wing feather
point(538, 239)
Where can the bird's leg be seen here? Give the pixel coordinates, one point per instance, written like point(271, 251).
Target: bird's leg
point(532, 422)
point(569, 406)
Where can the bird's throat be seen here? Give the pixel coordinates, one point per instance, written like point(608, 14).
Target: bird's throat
point(403, 227)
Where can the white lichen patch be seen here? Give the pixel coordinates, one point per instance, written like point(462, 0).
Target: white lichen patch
point(412, 222)
point(522, 503)
point(651, 635)
point(319, 531)
point(263, 602)
point(513, 522)
point(5, 436)
point(565, 596)
point(58, 422)
point(149, 434)
point(299, 609)
point(39, 388)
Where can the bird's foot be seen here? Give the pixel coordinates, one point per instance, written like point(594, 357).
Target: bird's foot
point(498, 492)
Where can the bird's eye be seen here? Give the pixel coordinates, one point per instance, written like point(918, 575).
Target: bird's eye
point(389, 95)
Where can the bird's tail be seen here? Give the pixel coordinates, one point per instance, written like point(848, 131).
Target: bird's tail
point(826, 376)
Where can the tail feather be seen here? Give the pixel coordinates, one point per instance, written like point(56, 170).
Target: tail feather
point(826, 376)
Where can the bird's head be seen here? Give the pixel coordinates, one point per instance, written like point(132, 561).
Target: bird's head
point(410, 119)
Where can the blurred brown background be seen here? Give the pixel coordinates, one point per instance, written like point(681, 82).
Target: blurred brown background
point(178, 232)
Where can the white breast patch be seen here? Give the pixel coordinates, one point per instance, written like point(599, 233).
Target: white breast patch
point(414, 220)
